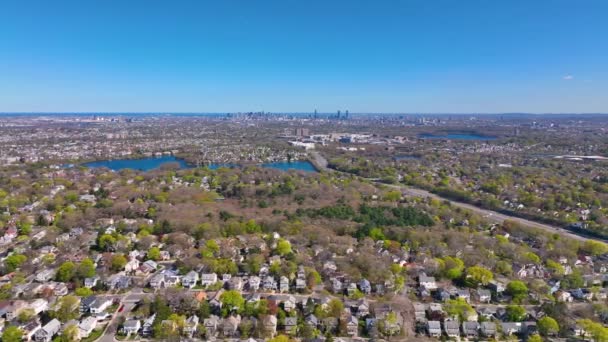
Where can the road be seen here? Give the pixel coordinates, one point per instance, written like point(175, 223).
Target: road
point(490, 215)
point(128, 302)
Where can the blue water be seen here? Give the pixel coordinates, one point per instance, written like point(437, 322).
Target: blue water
point(456, 136)
point(151, 163)
point(142, 164)
point(295, 165)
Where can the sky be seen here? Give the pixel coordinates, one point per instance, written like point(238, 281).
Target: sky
point(365, 56)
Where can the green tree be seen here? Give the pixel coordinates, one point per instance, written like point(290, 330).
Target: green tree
point(516, 313)
point(12, 334)
point(335, 307)
point(478, 275)
point(280, 338)
point(517, 289)
point(14, 261)
point(153, 254)
point(459, 307)
point(233, 301)
point(118, 262)
point(66, 271)
point(283, 247)
point(86, 269)
point(535, 338)
point(595, 330)
point(67, 308)
point(555, 267)
point(547, 326)
point(70, 333)
point(83, 292)
point(595, 248)
point(106, 242)
point(451, 267)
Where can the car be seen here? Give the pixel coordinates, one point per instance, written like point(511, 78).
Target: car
point(121, 308)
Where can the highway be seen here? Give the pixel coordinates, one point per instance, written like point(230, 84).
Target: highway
point(493, 216)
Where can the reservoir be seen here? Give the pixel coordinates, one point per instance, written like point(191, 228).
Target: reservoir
point(151, 163)
point(456, 136)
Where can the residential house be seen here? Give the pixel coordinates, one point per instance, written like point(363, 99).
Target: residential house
point(46, 333)
point(434, 328)
point(91, 282)
point(427, 282)
point(131, 327)
point(420, 312)
point(254, 283)
point(235, 283)
point(352, 326)
point(488, 329)
point(470, 329)
point(147, 327)
point(45, 275)
point(464, 294)
point(191, 326)
point(312, 321)
point(452, 328)
point(484, 296)
point(510, 328)
point(291, 325)
point(269, 323)
point(85, 304)
point(190, 279)
point(497, 286)
point(29, 329)
point(365, 286)
point(100, 305)
point(211, 325)
point(208, 279)
point(230, 325)
point(86, 326)
point(283, 284)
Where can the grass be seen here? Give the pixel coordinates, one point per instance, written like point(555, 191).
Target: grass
point(95, 334)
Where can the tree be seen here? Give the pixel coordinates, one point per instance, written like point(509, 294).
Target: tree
point(12, 334)
point(280, 338)
point(67, 310)
point(14, 261)
point(547, 326)
point(478, 275)
point(153, 253)
point(118, 262)
point(596, 330)
point(232, 301)
point(283, 247)
point(595, 248)
point(451, 267)
point(71, 333)
point(312, 277)
point(86, 269)
point(535, 338)
point(83, 292)
point(459, 307)
point(335, 307)
point(516, 313)
point(25, 315)
point(517, 289)
point(66, 271)
point(106, 242)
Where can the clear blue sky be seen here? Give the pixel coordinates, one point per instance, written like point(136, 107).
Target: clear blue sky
point(298, 55)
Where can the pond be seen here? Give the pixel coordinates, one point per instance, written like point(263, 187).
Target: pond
point(456, 136)
point(151, 163)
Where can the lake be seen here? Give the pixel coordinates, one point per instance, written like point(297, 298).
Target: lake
point(456, 136)
point(151, 163)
